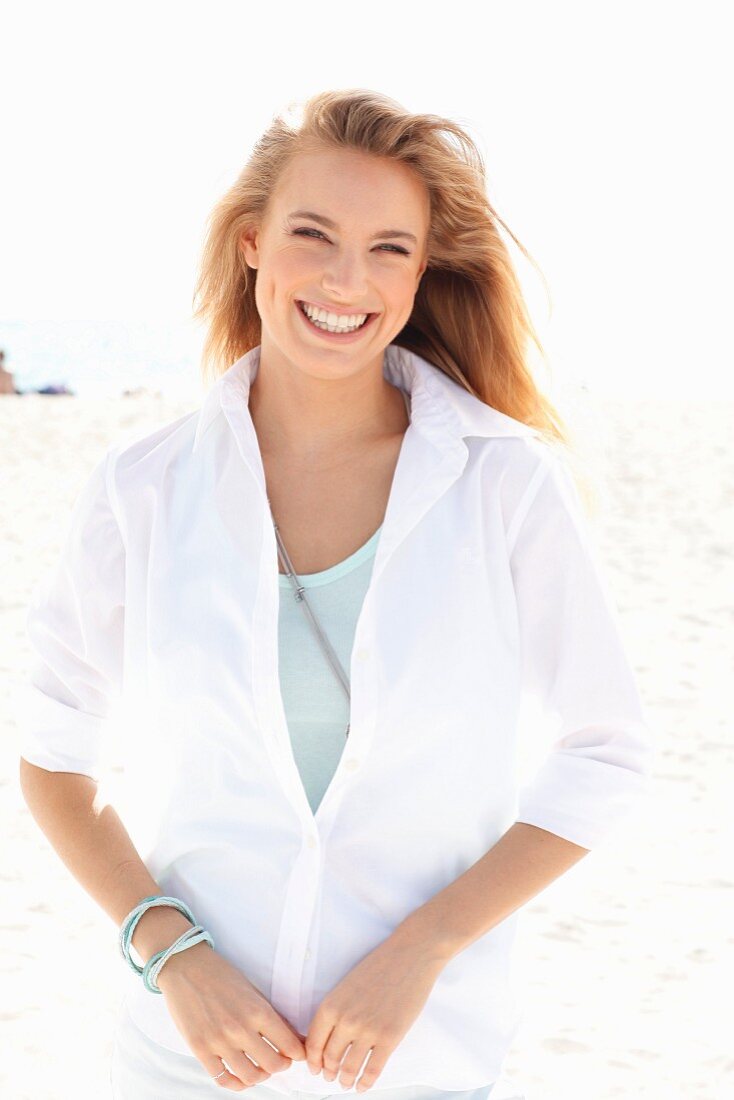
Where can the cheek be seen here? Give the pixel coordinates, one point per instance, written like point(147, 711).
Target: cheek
point(399, 283)
point(294, 266)
point(279, 278)
point(401, 291)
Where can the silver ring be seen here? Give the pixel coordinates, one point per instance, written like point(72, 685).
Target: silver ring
point(219, 1075)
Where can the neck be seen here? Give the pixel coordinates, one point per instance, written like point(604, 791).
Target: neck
point(309, 419)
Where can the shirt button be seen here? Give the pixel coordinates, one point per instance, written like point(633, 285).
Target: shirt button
point(352, 764)
point(308, 952)
point(362, 653)
point(312, 842)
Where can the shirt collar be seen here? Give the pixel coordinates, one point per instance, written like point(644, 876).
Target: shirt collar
point(441, 409)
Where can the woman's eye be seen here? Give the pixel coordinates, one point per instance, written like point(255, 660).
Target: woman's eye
point(304, 231)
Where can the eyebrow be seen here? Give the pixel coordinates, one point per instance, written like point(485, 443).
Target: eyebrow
point(332, 225)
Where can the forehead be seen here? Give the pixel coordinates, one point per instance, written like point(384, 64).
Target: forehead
point(336, 181)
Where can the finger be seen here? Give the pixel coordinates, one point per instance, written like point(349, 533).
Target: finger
point(215, 1067)
point(286, 1041)
point(244, 1067)
point(266, 1054)
point(372, 1070)
point(316, 1040)
point(352, 1063)
point(227, 1080)
point(334, 1051)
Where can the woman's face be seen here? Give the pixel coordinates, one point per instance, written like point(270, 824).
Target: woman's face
point(356, 264)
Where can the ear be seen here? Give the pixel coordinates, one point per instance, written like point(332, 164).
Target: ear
point(249, 246)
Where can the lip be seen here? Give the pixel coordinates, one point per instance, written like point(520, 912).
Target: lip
point(335, 337)
point(333, 309)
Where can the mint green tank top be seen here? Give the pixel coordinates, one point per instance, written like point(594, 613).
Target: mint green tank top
point(316, 707)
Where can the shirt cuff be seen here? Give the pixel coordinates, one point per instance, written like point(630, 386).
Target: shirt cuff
point(50, 728)
point(581, 799)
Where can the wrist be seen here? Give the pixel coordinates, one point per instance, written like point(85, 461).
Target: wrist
point(183, 964)
point(419, 934)
point(157, 929)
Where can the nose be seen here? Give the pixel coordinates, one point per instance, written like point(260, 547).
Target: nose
point(345, 277)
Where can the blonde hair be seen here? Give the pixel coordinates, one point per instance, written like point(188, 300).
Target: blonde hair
point(469, 317)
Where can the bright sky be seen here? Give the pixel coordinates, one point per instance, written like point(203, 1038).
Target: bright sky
point(603, 129)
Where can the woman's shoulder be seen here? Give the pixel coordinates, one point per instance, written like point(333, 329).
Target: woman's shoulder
point(513, 455)
point(500, 442)
point(512, 467)
point(134, 445)
point(144, 455)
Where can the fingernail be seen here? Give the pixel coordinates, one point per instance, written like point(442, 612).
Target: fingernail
point(312, 1069)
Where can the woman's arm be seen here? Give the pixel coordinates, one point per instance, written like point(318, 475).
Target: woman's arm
point(521, 864)
point(208, 997)
point(95, 846)
point(76, 626)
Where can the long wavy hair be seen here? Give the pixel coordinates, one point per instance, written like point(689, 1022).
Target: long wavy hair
point(469, 317)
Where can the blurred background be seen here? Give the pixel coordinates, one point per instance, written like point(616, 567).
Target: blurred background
point(603, 129)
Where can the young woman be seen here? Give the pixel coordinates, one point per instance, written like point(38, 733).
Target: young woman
point(331, 594)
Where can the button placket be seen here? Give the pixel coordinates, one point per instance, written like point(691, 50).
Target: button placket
point(292, 950)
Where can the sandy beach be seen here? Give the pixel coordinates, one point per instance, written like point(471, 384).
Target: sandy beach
point(621, 960)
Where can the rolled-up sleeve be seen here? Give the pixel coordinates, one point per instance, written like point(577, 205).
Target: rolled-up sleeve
point(597, 747)
point(75, 625)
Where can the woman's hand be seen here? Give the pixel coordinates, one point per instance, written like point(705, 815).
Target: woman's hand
point(221, 1015)
point(371, 1008)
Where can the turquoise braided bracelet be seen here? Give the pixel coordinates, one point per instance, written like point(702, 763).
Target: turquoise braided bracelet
point(131, 920)
point(153, 967)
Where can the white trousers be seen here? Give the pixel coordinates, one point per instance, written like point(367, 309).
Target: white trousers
point(141, 1069)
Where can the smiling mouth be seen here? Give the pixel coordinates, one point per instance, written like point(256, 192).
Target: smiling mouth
point(324, 326)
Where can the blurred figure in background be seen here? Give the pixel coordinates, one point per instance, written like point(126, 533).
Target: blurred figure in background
point(7, 384)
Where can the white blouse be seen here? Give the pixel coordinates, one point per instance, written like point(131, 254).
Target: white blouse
point(488, 685)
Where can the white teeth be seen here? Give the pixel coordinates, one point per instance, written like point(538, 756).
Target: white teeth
point(333, 322)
